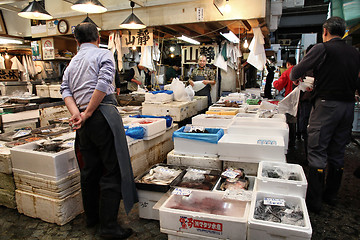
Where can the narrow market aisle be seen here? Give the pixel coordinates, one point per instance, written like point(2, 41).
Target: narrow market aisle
point(342, 221)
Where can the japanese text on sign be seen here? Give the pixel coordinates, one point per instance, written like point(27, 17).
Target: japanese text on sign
point(211, 227)
point(190, 54)
point(138, 38)
point(9, 75)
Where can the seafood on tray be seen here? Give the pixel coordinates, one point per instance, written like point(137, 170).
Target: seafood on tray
point(234, 179)
point(160, 175)
point(198, 179)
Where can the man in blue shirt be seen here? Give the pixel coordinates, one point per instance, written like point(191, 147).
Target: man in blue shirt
point(106, 173)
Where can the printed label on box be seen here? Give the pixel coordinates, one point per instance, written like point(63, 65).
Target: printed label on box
point(182, 192)
point(274, 201)
point(200, 225)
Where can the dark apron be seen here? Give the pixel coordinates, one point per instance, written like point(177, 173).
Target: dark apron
point(112, 116)
point(205, 91)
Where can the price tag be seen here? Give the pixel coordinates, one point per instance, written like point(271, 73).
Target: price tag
point(274, 201)
point(230, 173)
point(197, 171)
point(181, 192)
point(70, 144)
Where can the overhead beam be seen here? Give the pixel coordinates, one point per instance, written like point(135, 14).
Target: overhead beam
point(9, 8)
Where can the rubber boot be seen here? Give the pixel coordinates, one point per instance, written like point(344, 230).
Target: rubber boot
point(109, 228)
point(315, 189)
point(333, 182)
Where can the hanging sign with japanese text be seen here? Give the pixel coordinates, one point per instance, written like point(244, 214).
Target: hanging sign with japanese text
point(190, 54)
point(9, 75)
point(137, 38)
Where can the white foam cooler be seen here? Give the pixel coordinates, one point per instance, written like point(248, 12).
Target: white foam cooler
point(255, 117)
point(194, 161)
point(201, 102)
point(248, 148)
point(59, 211)
point(158, 97)
point(260, 229)
point(147, 201)
point(229, 221)
point(212, 120)
point(42, 90)
point(154, 127)
point(55, 91)
point(177, 110)
point(282, 186)
point(48, 165)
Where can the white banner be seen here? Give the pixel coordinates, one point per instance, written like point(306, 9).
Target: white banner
point(137, 37)
point(190, 54)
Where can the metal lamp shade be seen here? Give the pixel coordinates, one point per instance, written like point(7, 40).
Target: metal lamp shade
point(89, 20)
point(132, 22)
point(89, 6)
point(35, 11)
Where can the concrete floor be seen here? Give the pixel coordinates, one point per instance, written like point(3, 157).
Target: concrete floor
point(341, 222)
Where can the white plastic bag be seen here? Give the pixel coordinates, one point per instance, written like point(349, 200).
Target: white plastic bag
point(290, 103)
point(190, 92)
point(198, 85)
point(178, 88)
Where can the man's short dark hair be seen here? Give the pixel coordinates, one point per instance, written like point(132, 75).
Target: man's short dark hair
point(86, 32)
point(336, 26)
point(291, 60)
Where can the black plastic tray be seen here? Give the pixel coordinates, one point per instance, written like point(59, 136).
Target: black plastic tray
point(215, 173)
point(158, 187)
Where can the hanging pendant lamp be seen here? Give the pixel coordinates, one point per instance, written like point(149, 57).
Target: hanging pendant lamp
point(132, 21)
point(35, 11)
point(89, 6)
point(89, 20)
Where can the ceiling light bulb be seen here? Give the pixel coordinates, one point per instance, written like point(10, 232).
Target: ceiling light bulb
point(172, 55)
point(134, 48)
point(7, 56)
point(227, 8)
point(172, 49)
point(246, 45)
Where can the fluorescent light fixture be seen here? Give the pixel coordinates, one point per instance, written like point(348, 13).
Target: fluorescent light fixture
point(88, 6)
point(35, 11)
point(132, 21)
point(103, 45)
point(189, 40)
point(231, 37)
point(10, 41)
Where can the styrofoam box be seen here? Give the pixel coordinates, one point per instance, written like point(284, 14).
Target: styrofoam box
point(201, 102)
point(129, 110)
point(147, 200)
point(192, 111)
point(250, 188)
point(260, 128)
point(154, 129)
point(7, 198)
point(55, 91)
point(259, 229)
point(250, 168)
point(211, 108)
point(48, 165)
point(42, 90)
point(177, 110)
point(212, 120)
point(32, 182)
point(282, 186)
point(194, 161)
point(254, 117)
point(245, 148)
point(184, 235)
point(230, 224)
point(158, 98)
point(7, 182)
point(194, 147)
point(59, 211)
point(5, 160)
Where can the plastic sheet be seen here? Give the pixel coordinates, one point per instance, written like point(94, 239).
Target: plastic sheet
point(135, 132)
point(214, 135)
point(168, 119)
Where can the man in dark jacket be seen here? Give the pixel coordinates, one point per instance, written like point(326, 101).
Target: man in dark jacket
point(336, 68)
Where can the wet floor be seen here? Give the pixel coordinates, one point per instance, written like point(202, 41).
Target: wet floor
point(341, 222)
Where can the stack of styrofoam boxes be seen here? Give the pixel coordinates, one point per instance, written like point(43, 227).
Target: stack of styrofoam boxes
point(201, 103)
point(293, 192)
point(7, 186)
point(160, 97)
point(190, 151)
point(154, 127)
point(55, 91)
point(42, 90)
point(177, 110)
point(48, 184)
point(129, 110)
point(228, 222)
point(192, 110)
point(260, 127)
point(275, 118)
